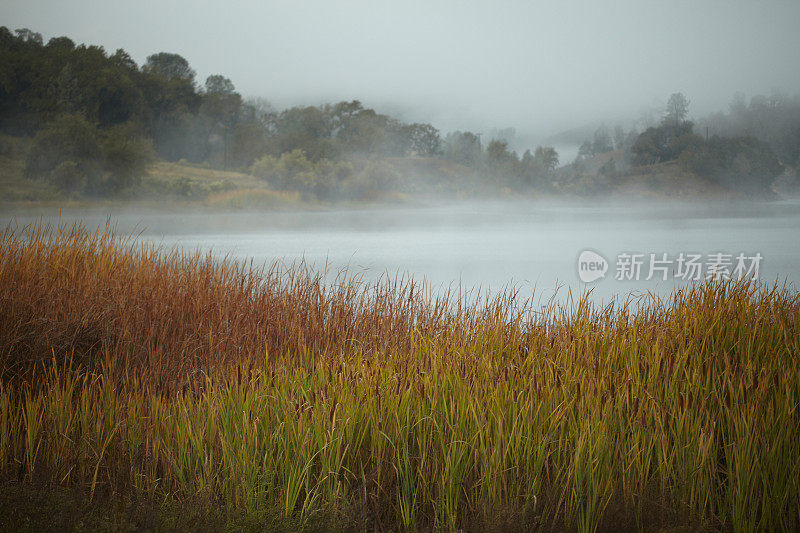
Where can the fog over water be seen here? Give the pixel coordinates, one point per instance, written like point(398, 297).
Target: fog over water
point(489, 246)
point(539, 67)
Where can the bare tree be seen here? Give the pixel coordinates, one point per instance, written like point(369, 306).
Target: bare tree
point(677, 109)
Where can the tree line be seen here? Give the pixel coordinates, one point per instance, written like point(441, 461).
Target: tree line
point(743, 150)
point(97, 120)
point(740, 161)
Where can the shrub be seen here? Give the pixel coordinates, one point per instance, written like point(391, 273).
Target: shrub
point(67, 176)
point(280, 172)
point(662, 143)
point(265, 168)
point(294, 171)
point(375, 178)
point(126, 156)
point(14, 147)
point(72, 154)
point(739, 163)
point(68, 138)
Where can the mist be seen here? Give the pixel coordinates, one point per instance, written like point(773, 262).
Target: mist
point(540, 67)
point(433, 113)
point(399, 266)
point(475, 250)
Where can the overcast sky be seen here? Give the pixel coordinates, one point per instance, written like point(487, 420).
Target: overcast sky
point(537, 66)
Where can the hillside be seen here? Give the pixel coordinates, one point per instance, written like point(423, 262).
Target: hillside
point(198, 185)
point(164, 184)
point(612, 173)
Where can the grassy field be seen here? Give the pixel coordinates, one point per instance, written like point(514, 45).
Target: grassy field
point(167, 185)
point(183, 185)
point(134, 378)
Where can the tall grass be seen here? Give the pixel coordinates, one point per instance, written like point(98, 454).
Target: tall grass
point(130, 369)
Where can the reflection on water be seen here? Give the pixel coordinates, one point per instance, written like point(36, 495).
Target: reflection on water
point(492, 245)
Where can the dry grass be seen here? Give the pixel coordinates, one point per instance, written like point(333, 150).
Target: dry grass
point(132, 370)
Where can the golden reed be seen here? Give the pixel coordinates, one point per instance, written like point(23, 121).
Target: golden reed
point(128, 369)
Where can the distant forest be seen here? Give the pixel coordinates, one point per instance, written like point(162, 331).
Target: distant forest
point(747, 148)
point(93, 122)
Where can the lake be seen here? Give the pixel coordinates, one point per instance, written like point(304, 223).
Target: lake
point(532, 246)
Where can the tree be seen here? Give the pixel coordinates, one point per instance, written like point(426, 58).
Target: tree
point(463, 148)
point(631, 137)
point(602, 141)
point(536, 169)
point(71, 153)
point(663, 143)
point(774, 119)
point(677, 109)
point(27, 36)
point(619, 137)
point(666, 141)
point(68, 93)
point(122, 60)
point(376, 178)
point(118, 101)
point(170, 66)
point(423, 139)
point(585, 150)
point(342, 113)
point(303, 128)
point(126, 155)
point(222, 104)
point(249, 143)
point(69, 138)
point(63, 43)
point(497, 152)
point(283, 172)
point(367, 132)
point(501, 163)
point(259, 111)
point(744, 164)
point(172, 117)
point(545, 158)
point(217, 84)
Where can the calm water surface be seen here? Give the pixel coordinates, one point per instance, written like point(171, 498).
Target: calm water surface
point(531, 246)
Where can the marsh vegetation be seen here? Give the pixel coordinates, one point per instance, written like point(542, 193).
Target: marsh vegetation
point(129, 371)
